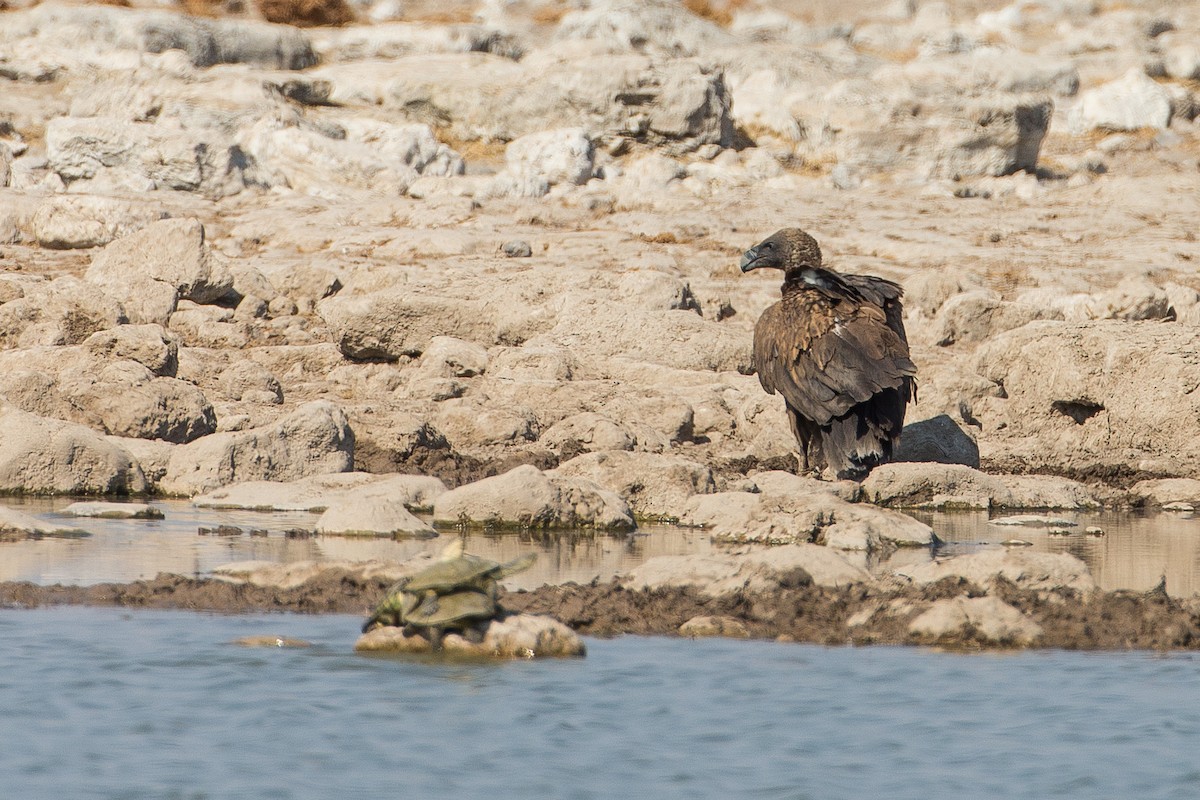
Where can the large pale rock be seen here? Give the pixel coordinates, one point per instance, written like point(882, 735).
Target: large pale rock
point(594, 327)
point(588, 432)
point(165, 261)
point(538, 161)
point(126, 399)
point(315, 438)
point(1085, 397)
point(16, 526)
point(392, 323)
point(319, 492)
point(79, 32)
point(273, 574)
point(64, 311)
point(972, 317)
point(1165, 491)
point(49, 456)
point(526, 497)
point(678, 104)
point(655, 486)
point(1131, 102)
point(78, 221)
point(447, 357)
point(950, 486)
point(987, 617)
point(719, 574)
point(149, 345)
point(141, 156)
point(372, 515)
point(996, 139)
point(514, 636)
point(360, 154)
point(113, 510)
point(620, 26)
point(809, 514)
point(1028, 570)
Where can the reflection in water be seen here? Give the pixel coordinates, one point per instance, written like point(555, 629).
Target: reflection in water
point(1134, 552)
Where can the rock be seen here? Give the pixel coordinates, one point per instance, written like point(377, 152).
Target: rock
point(64, 311)
point(389, 324)
point(290, 575)
point(526, 497)
point(588, 432)
point(942, 486)
point(141, 156)
point(938, 440)
point(319, 492)
point(678, 104)
point(69, 29)
point(270, 641)
point(517, 248)
point(1032, 521)
point(371, 515)
point(49, 456)
point(972, 317)
point(1039, 572)
point(149, 270)
point(453, 358)
point(114, 510)
point(655, 486)
point(719, 575)
point(314, 439)
point(126, 399)
point(595, 328)
point(988, 618)
point(703, 627)
point(1083, 397)
point(149, 345)
point(808, 515)
point(538, 161)
point(514, 636)
point(357, 154)
point(1048, 491)
point(251, 382)
point(997, 139)
point(16, 526)
point(1134, 298)
point(79, 221)
point(1132, 102)
point(620, 26)
point(1164, 491)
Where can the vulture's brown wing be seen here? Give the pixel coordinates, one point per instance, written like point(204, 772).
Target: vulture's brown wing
point(825, 358)
point(884, 294)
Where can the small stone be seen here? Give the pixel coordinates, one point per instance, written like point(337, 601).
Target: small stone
point(270, 641)
point(705, 626)
point(114, 510)
point(517, 248)
point(1016, 543)
point(1187, 507)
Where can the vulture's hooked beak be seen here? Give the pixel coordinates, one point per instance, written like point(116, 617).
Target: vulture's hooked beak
point(751, 259)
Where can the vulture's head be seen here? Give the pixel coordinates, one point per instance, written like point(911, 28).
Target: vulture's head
point(788, 249)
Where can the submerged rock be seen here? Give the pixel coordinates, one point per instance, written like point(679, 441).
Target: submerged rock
point(514, 636)
point(114, 510)
point(16, 526)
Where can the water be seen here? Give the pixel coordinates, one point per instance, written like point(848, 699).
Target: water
point(1135, 552)
point(105, 703)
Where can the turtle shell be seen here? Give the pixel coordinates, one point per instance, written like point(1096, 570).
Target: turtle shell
point(464, 572)
point(449, 610)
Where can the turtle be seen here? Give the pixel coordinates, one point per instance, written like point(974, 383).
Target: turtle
point(455, 593)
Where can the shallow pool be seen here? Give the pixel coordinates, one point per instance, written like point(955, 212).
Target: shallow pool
point(106, 703)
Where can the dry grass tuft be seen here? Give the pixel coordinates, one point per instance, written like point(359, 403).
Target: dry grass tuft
point(307, 13)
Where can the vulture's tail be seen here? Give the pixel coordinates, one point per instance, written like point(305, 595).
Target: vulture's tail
point(865, 436)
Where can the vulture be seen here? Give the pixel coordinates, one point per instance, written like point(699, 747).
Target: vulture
point(834, 347)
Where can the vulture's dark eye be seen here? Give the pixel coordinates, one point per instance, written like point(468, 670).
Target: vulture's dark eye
point(769, 246)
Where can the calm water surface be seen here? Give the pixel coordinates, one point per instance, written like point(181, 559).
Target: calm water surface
point(1135, 551)
point(105, 703)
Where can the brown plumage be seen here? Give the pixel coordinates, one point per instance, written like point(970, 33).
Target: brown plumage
point(834, 347)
